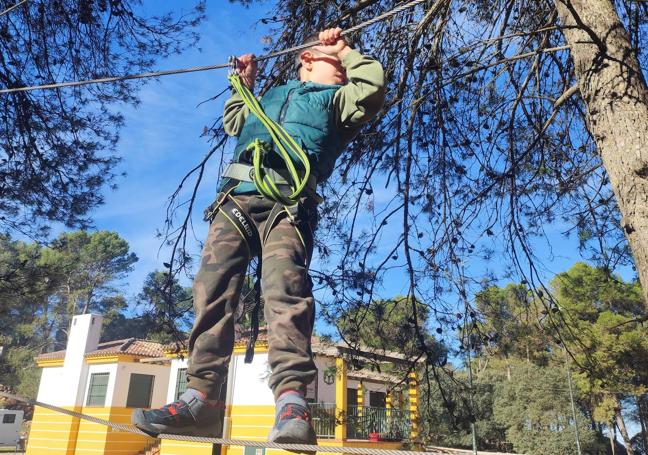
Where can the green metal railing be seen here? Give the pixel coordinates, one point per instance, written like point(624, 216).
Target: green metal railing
point(361, 421)
point(323, 415)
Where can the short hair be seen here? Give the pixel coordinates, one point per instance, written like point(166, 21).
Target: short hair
point(309, 39)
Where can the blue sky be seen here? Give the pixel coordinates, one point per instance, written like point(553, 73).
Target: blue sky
point(161, 138)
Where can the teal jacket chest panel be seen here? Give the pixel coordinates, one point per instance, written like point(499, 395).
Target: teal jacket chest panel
point(306, 112)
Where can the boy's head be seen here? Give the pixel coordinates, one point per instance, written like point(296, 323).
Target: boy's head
point(313, 65)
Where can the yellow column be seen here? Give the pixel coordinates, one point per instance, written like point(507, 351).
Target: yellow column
point(360, 399)
point(413, 403)
point(388, 403)
point(340, 399)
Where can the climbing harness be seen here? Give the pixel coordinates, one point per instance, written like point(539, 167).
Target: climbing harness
point(213, 67)
point(245, 226)
point(221, 441)
point(230, 208)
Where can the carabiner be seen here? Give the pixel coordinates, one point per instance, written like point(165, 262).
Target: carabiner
point(232, 63)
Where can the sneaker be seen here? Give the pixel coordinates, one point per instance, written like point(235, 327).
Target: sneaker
point(190, 415)
point(293, 422)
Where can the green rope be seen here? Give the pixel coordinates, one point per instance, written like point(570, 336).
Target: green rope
point(283, 142)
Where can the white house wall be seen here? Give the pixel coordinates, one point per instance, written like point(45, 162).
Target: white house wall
point(251, 381)
point(49, 389)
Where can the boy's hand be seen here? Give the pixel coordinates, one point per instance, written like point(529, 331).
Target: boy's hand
point(333, 44)
point(247, 70)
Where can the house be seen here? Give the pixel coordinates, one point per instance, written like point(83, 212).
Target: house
point(350, 408)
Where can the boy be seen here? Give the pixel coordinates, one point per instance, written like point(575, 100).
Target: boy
point(339, 90)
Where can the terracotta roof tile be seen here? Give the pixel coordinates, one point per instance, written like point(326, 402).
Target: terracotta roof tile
point(131, 346)
point(55, 355)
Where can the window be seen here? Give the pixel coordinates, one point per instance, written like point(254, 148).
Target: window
point(181, 382)
point(140, 391)
point(352, 397)
point(9, 418)
point(378, 399)
point(98, 389)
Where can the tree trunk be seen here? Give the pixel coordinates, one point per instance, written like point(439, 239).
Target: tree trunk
point(642, 422)
point(612, 436)
point(624, 432)
point(616, 97)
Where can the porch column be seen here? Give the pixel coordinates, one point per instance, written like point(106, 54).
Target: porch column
point(360, 399)
point(413, 403)
point(388, 403)
point(340, 399)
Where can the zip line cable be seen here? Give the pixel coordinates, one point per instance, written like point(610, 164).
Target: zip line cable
point(207, 67)
point(223, 441)
point(11, 8)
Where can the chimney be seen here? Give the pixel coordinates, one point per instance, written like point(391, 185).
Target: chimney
point(83, 337)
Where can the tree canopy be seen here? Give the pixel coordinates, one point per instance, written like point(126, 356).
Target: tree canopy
point(58, 147)
point(44, 287)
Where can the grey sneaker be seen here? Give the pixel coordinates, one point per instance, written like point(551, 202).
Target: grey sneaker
point(190, 415)
point(293, 422)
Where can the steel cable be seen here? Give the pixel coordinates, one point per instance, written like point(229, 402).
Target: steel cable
point(222, 441)
point(11, 8)
point(206, 67)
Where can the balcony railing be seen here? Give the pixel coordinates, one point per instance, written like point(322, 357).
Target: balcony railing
point(323, 419)
point(361, 421)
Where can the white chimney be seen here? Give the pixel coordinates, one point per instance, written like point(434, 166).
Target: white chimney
point(83, 337)
point(65, 386)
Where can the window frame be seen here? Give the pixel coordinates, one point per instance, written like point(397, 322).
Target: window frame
point(91, 384)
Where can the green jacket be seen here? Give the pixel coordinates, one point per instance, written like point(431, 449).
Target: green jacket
point(322, 118)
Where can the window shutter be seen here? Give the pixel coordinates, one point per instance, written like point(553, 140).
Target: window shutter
point(140, 391)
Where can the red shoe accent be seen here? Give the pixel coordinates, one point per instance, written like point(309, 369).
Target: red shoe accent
point(287, 413)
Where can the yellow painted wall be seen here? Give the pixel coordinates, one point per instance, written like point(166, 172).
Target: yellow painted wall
point(251, 423)
point(184, 448)
point(119, 440)
point(94, 438)
point(52, 432)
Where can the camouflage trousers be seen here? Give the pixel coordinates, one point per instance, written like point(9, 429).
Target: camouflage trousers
point(287, 290)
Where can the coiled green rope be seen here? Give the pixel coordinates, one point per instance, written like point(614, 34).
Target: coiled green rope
point(283, 143)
